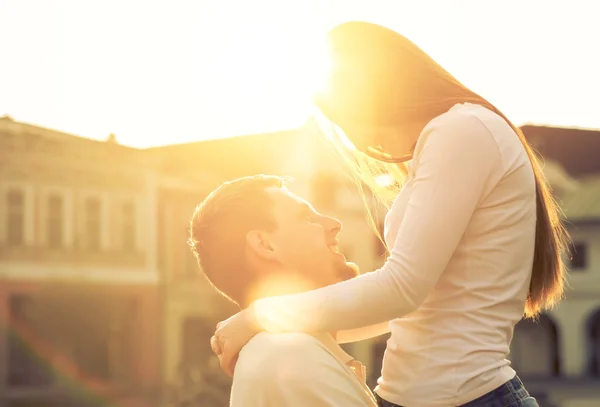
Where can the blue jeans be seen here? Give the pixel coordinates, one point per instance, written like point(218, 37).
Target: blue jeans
point(510, 394)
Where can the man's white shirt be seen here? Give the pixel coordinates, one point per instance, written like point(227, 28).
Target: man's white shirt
point(297, 369)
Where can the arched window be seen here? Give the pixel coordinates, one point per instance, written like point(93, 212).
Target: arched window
point(534, 348)
point(55, 231)
point(93, 223)
point(593, 328)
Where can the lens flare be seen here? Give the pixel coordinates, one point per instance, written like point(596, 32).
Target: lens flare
point(384, 180)
point(288, 283)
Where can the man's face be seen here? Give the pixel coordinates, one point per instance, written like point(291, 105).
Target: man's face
point(306, 242)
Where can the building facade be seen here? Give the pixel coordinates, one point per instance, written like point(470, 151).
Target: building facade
point(78, 282)
point(558, 356)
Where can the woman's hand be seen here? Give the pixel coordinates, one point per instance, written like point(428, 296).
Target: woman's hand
point(231, 336)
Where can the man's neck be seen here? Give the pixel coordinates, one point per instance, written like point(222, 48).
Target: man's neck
point(279, 282)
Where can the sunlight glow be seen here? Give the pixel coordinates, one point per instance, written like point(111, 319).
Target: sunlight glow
point(218, 69)
point(385, 180)
point(281, 285)
point(321, 68)
point(332, 131)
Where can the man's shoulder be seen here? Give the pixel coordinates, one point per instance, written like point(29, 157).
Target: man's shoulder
point(292, 369)
point(269, 352)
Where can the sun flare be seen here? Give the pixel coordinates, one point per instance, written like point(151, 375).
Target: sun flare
point(280, 285)
point(190, 71)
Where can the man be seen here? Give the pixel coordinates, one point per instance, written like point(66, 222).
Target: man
point(253, 238)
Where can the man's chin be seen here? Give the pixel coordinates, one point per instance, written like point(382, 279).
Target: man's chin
point(346, 271)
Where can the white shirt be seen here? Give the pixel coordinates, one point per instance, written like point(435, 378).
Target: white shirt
point(296, 369)
point(461, 235)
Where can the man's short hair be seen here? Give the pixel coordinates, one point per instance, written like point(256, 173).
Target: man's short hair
point(219, 227)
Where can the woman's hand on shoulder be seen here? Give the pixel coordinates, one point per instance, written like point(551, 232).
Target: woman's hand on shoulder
point(231, 336)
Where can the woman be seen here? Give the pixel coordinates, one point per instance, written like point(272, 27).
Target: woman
point(474, 235)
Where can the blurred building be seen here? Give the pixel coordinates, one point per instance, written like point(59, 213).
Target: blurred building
point(79, 292)
point(558, 357)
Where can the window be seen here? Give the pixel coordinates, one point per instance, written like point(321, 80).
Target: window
point(593, 326)
point(55, 222)
point(578, 256)
point(128, 226)
point(92, 225)
point(15, 218)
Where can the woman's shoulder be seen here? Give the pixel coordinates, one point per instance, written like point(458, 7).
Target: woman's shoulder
point(460, 126)
point(478, 128)
point(466, 116)
point(471, 123)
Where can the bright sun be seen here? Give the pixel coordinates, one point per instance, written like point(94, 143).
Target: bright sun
point(182, 71)
point(212, 70)
point(264, 70)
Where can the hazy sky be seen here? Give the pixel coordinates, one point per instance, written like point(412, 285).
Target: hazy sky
point(158, 72)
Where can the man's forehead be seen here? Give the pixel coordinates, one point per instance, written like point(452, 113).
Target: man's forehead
point(284, 199)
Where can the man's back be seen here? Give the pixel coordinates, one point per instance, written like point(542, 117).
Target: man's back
point(296, 369)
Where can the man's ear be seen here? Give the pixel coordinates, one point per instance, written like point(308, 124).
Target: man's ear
point(260, 244)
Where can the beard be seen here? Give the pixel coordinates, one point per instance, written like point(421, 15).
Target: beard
point(346, 271)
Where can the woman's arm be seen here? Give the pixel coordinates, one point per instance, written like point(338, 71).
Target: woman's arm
point(459, 163)
point(361, 334)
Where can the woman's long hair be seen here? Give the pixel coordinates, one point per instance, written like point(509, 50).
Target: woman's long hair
point(379, 77)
